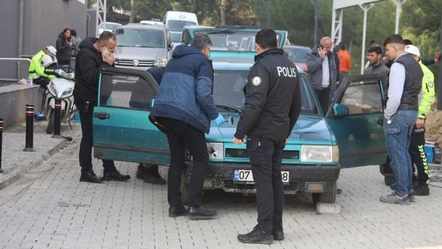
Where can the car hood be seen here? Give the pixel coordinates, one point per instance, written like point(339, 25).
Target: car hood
point(308, 130)
point(138, 53)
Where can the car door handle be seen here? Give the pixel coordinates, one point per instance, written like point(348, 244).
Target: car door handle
point(101, 115)
point(381, 121)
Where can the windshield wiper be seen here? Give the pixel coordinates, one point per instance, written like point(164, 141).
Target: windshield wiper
point(228, 108)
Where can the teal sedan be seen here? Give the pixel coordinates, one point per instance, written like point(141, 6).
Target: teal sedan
point(322, 142)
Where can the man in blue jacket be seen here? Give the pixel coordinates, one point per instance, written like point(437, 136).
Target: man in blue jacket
point(184, 107)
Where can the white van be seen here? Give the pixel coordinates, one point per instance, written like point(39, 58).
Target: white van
point(176, 20)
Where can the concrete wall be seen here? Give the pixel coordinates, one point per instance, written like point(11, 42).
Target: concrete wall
point(43, 20)
point(13, 100)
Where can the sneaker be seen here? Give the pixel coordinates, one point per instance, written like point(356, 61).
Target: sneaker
point(278, 234)
point(422, 189)
point(177, 211)
point(200, 213)
point(395, 199)
point(256, 236)
point(411, 196)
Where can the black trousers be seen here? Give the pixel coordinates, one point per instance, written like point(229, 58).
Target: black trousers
point(87, 139)
point(324, 98)
point(180, 136)
point(418, 155)
point(64, 62)
point(265, 158)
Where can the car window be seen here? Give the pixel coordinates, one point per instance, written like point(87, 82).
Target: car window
point(176, 37)
point(177, 25)
point(228, 90)
point(140, 38)
point(363, 97)
point(127, 91)
point(297, 54)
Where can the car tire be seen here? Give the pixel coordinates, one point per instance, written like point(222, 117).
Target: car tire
point(389, 179)
point(184, 193)
point(50, 128)
point(327, 197)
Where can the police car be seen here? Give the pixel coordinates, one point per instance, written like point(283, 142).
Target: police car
point(348, 134)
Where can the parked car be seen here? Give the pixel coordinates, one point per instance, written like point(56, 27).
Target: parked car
point(298, 54)
point(350, 134)
point(107, 26)
point(176, 20)
point(142, 46)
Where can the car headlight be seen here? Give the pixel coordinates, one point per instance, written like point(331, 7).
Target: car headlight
point(161, 62)
point(52, 89)
point(319, 153)
point(216, 150)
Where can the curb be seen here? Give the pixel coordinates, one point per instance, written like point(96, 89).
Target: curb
point(39, 161)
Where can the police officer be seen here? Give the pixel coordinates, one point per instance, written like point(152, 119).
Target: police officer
point(272, 107)
point(38, 70)
point(417, 152)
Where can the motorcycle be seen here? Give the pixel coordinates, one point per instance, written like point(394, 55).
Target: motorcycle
point(61, 86)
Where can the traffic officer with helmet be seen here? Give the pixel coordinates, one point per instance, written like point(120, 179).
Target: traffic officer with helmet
point(38, 68)
point(272, 107)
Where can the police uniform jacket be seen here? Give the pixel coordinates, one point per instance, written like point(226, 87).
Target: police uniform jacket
point(273, 98)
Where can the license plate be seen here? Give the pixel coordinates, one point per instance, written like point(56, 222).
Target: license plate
point(242, 175)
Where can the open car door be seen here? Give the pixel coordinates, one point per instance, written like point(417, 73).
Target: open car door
point(122, 130)
point(355, 116)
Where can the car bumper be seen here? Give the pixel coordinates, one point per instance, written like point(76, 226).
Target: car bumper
point(221, 176)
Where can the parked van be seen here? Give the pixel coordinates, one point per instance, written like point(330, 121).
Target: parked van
point(176, 20)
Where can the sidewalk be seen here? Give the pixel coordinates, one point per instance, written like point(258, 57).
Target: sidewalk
point(16, 162)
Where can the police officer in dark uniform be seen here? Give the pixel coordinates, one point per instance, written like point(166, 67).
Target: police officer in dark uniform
point(272, 107)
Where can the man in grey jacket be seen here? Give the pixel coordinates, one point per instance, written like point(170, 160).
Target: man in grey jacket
point(374, 56)
point(322, 71)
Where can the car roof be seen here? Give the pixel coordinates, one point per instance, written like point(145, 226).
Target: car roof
point(142, 26)
point(235, 64)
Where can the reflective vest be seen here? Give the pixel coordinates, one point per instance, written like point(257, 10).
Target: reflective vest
point(428, 91)
point(35, 69)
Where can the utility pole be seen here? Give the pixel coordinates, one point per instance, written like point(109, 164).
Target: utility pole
point(439, 84)
point(315, 39)
point(222, 12)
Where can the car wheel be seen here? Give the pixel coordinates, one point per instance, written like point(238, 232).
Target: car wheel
point(184, 193)
point(327, 197)
point(389, 179)
point(50, 127)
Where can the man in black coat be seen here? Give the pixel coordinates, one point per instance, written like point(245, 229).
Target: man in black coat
point(94, 55)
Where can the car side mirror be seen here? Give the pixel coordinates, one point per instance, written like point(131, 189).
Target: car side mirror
point(170, 46)
point(340, 110)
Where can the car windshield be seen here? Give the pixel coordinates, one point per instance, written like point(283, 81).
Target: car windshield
point(228, 90)
point(110, 26)
point(176, 37)
point(297, 54)
point(140, 38)
point(232, 40)
point(177, 25)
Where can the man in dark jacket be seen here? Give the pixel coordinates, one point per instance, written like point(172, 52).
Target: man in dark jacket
point(323, 72)
point(272, 107)
point(184, 107)
point(94, 55)
point(64, 47)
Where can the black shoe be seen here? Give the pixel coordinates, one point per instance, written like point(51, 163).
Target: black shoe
point(114, 175)
point(256, 236)
point(90, 177)
point(421, 189)
point(177, 211)
point(141, 171)
point(154, 179)
point(278, 235)
point(200, 213)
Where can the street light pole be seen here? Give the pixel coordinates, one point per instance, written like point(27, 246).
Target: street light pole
point(268, 13)
point(315, 39)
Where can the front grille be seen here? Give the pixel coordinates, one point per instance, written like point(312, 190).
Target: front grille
point(130, 63)
point(291, 154)
point(233, 185)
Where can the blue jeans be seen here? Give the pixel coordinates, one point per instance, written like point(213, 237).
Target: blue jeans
point(398, 134)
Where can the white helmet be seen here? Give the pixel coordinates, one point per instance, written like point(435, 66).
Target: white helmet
point(48, 60)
